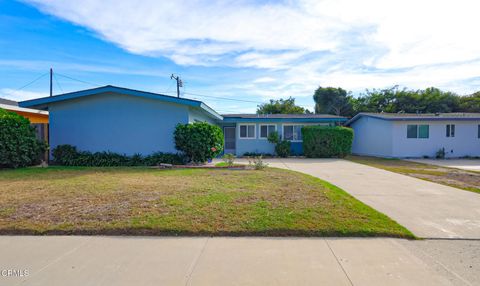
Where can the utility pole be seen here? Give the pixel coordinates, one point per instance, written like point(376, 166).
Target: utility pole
point(51, 77)
point(179, 83)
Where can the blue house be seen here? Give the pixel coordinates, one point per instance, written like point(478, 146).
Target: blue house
point(130, 121)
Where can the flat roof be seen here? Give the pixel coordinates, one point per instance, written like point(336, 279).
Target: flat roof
point(8, 102)
point(282, 117)
point(21, 109)
point(417, 116)
point(42, 103)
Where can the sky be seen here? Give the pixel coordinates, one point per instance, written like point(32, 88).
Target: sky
point(234, 55)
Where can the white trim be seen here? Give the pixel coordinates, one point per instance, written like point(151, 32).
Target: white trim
point(291, 124)
point(260, 130)
point(21, 109)
point(254, 131)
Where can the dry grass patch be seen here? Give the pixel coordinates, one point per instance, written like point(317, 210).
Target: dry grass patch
point(272, 202)
point(462, 179)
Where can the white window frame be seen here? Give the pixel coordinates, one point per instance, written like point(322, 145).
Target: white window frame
point(291, 124)
point(449, 135)
point(254, 131)
point(260, 130)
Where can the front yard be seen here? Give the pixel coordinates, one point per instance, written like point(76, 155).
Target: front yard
point(273, 202)
point(462, 179)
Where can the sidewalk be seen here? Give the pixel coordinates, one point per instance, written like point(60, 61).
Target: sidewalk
point(82, 260)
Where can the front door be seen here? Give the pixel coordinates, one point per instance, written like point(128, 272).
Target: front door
point(229, 135)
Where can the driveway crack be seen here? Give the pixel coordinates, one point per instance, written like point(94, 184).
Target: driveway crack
point(338, 261)
point(195, 262)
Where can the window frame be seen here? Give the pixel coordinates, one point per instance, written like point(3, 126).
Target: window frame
point(416, 131)
point(478, 134)
point(450, 130)
point(254, 131)
point(293, 131)
point(268, 133)
point(428, 131)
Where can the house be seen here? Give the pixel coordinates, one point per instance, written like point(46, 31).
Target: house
point(401, 135)
point(38, 118)
point(128, 121)
point(248, 132)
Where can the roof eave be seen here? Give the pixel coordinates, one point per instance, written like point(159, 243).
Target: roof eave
point(239, 119)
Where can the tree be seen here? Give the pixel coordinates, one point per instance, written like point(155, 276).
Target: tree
point(393, 100)
point(470, 103)
point(281, 106)
point(332, 100)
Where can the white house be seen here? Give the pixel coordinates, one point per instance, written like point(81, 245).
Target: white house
point(401, 135)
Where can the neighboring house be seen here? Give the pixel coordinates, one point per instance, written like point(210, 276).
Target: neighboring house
point(38, 118)
point(416, 135)
point(248, 132)
point(129, 121)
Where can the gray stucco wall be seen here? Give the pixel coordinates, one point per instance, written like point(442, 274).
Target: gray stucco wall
point(465, 142)
point(198, 116)
point(117, 123)
point(372, 137)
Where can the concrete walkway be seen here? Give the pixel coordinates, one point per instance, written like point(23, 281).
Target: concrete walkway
point(83, 261)
point(427, 209)
point(465, 164)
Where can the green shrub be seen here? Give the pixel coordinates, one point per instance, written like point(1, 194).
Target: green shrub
point(282, 147)
point(167, 158)
point(440, 153)
point(229, 159)
point(68, 155)
point(19, 146)
point(257, 163)
point(199, 141)
point(327, 142)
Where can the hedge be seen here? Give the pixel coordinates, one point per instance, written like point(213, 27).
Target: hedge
point(327, 142)
point(19, 146)
point(68, 155)
point(199, 141)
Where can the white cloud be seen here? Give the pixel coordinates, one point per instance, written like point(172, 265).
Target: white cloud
point(19, 95)
point(354, 44)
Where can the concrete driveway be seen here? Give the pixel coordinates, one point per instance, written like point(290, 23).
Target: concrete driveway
point(81, 260)
point(429, 210)
point(465, 164)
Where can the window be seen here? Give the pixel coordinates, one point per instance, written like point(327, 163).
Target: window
point(423, 131)
point(478, 131)
point(412, 131)
point(418, 131)
point(265, 130)
point(247, 131)
point(292, 132)
point(450, 130)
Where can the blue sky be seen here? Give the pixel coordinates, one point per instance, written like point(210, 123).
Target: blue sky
point(248, 50)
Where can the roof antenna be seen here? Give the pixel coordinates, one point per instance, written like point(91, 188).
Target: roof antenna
point(179, 83)
point(51, 86)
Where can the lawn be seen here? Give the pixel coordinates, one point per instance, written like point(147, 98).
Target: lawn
point(462, 179)
point(143, 201)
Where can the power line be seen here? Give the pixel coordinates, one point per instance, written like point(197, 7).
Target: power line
point(58, 83)
point(79, 80)
point(32, 82)
point(224, 98)
point(233, 99)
